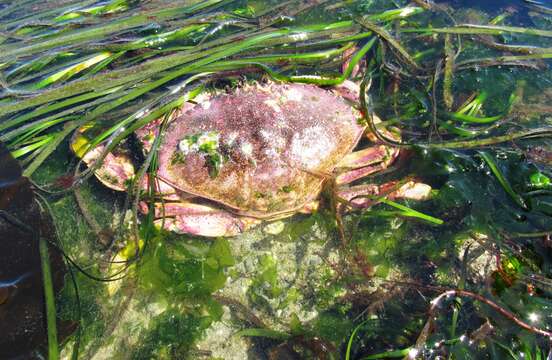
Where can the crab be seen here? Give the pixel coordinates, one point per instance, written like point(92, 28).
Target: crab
point(258, 153)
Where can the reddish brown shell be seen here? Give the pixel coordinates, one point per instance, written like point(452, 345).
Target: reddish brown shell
point(278, 142)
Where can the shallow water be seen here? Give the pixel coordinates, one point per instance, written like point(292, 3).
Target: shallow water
point(367, 284)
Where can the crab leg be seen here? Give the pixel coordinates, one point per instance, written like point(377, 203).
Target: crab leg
point(361, 196)
point(364, 162)
point(186, 217)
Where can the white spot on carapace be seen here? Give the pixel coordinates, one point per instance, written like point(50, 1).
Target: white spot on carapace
point(247, 149)
point(231, 138)
point(274, 105)
point(206, 104)
point(293, 94)
point(266, 135)
point(274, 140)
point(184, 146)
point(271, 153)
point(310, 147)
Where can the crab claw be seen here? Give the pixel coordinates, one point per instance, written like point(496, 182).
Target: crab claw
point(348, 90)
point(362, 196)
point(364, 162)
point(197, 219)
point(116, 171)
point(412, 191)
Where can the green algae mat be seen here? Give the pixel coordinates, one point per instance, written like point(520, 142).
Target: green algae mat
point(442, 249)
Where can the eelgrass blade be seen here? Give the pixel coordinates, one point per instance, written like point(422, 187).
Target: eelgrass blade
point(13, 7)
point(409, 212)
point(517, 198)
point(141, 113)
point(50, 148)
point(543, 132)
point(38, 129)
point(49, 297)
point(153, 67)
point(461, 131)
point(384, 34)
point(80, 36)
point(448, 97)
point(473, 104)
point(36, 16)
point(351, 339)
point(104, 63)
point(504, 60)
point(467, 113)
point(94, 10)
point(391, 354)
point(157, 40)
point(37, 64)
point(396, 14)
point(71, 71)
point(37, 144)
point(472, 29)
point(56, 106)
point(267, 333)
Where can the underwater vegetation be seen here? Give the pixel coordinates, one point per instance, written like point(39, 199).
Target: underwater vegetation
point(458, 92)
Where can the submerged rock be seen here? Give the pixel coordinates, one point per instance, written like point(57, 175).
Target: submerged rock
point(22, 313)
